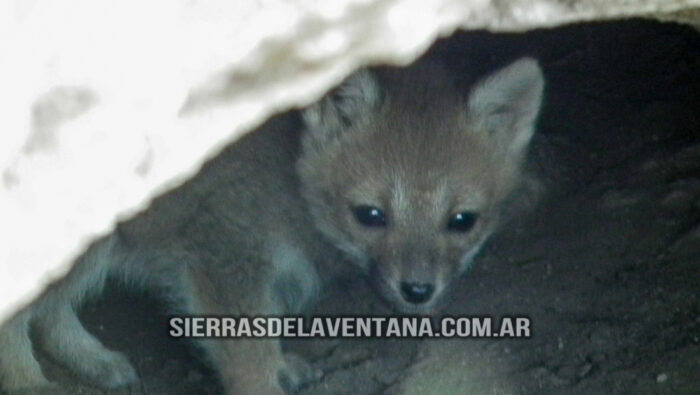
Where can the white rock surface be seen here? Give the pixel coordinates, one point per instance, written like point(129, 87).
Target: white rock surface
point(104, 104)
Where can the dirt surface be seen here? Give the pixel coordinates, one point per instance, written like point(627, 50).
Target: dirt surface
point(607, 267)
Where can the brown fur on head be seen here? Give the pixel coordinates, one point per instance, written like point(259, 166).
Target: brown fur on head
point(407, 175)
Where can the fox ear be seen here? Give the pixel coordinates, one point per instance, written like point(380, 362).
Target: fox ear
point(506, 103)
point(349, 104)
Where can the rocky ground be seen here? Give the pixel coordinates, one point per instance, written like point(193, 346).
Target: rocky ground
point(607, 267)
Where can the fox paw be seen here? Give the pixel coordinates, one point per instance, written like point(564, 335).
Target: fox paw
point(110, 370)
point(297, 373)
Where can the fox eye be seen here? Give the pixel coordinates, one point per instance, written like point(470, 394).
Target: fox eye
point(462, 222)
point(369, 216)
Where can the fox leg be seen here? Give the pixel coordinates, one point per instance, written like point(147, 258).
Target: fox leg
point(64, 338)
point(245, 366)
point(19, 368)
point(60, 332)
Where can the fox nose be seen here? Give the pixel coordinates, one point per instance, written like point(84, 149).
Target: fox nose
point(416, 293)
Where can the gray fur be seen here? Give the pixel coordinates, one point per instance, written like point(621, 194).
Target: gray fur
point(261, 225)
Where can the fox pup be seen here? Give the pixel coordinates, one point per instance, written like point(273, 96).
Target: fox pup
point(395, 171)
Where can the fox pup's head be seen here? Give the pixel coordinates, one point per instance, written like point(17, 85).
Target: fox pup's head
point(407, 175)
